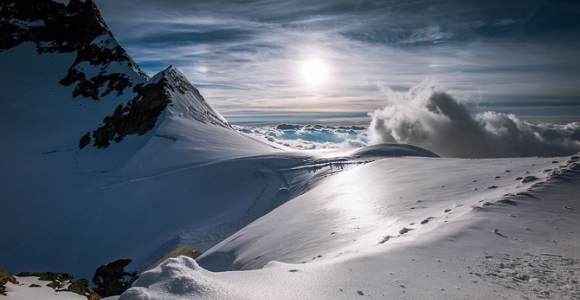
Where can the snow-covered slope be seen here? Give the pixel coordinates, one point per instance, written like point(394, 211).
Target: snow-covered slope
point(92, 148)
point(408, 228)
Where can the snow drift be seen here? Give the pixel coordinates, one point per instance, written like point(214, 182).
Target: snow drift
point(431, 118)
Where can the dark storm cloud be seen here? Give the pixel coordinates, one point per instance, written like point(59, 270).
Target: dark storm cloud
point(491, 50)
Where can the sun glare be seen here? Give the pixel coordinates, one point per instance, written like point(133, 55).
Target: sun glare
point(314, 72)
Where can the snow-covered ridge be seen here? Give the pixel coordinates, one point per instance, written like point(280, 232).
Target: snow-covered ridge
point(186, 99)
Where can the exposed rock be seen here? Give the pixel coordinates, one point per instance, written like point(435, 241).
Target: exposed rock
point(81, 287)
point(111, 279)
point(85, 140)
point(6, 277)
point(136, 117)
point(56, 285)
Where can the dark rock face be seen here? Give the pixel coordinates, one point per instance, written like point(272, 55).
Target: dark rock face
point(89, 88)
point(80, 286)
point(111, 279)
point(85, 140)
point(136, 117)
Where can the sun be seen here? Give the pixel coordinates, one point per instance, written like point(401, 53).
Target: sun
point(314, 72)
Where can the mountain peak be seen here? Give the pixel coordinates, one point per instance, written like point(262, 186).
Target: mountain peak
point(187, 100)
point(97, 68)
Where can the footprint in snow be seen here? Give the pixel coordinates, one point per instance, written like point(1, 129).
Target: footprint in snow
point(404, 230)
point(385, 239)
point(426, 220)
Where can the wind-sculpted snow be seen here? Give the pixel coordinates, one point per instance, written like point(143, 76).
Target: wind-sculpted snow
point(431, 118)
point(392, 150)
point(173, 277)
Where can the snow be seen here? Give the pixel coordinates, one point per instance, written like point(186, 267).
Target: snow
point(24, 291)
point(331, 242)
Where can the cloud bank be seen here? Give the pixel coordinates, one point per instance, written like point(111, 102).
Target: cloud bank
point(429, 117)
point(309, 137)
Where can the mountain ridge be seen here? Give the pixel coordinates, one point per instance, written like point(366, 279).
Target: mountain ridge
point(68, 158)
point(101, 67)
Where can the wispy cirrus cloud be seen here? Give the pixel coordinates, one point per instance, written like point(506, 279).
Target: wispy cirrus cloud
point(245, 56)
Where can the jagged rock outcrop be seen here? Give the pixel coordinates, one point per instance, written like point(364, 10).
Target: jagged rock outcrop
point(112, 279)
point(136, 117)
point(6, 277)
point(81, 287)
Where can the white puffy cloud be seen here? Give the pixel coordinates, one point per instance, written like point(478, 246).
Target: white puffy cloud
point(429, 117)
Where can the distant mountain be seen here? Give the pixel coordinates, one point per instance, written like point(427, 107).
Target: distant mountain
point(80, 122)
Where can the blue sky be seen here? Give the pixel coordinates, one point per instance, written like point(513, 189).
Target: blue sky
point(262, 57)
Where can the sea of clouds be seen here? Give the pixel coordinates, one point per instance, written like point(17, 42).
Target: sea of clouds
point(309, 137)
point(429, 117)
